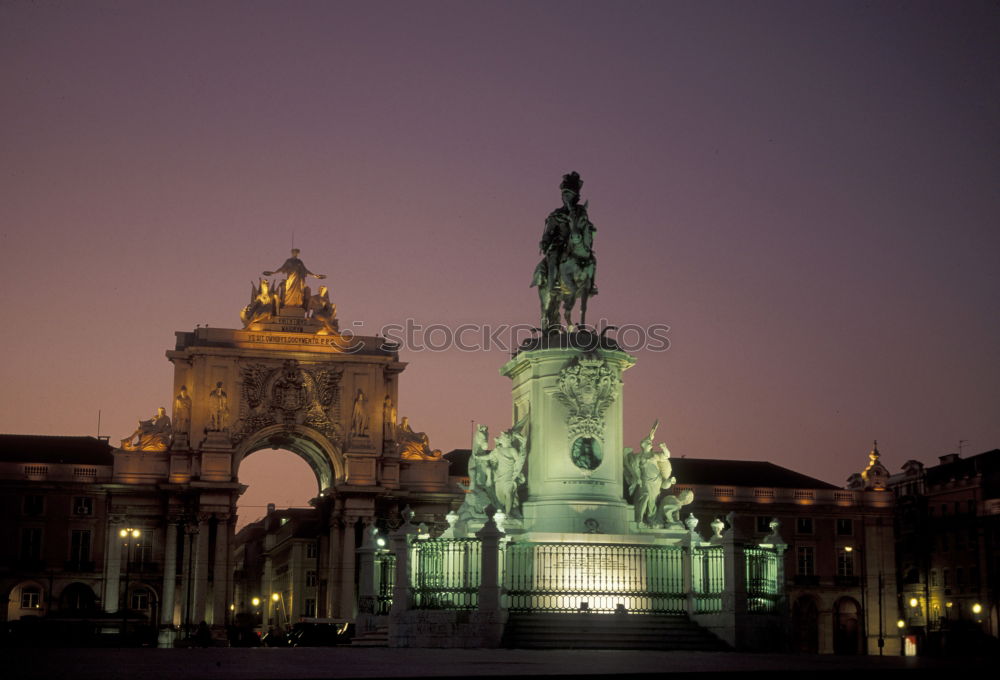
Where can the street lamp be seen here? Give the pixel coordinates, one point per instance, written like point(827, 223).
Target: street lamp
point(129, 535)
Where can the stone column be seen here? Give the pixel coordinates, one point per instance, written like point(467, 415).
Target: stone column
point(200, 575)
point(367, 595)
point(333, 569)
point(220, 573)
point(169, 574)
point(112, 567)
point(347, 596)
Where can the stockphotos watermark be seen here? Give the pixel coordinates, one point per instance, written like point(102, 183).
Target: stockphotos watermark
point(413, 336)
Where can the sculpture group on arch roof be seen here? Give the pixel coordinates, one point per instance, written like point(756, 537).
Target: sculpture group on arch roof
point(267, 300)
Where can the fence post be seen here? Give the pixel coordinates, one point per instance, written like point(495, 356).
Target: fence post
point(401, 540)
point(690, 543)
point(489, 585)
point(734, 598)
point(776, 543)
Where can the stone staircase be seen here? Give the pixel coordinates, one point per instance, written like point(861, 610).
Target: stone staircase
point(379, 637)
point(608, 631)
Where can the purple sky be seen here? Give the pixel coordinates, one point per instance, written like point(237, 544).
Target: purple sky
point(807, 193)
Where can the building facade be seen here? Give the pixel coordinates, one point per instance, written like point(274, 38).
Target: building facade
point(948, 545)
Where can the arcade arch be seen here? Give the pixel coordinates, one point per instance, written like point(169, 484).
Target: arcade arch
point(323, 456)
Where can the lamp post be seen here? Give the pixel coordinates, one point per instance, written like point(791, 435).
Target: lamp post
point(276, 599)
point(129, 535)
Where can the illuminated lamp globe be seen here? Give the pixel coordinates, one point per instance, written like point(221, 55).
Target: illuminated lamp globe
point(275, 597)
point(977, 608)
point(913, 602)
point(255, 602)
point(900, 624)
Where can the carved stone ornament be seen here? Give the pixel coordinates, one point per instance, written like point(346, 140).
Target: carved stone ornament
point(587, 386)
point(289, 395)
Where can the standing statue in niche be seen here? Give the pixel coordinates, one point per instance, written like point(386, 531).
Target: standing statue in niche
point(388, 419)
point(182, 411)
point(294, 292)
point(568, 267)
point(359, 419)
point(150, 435)
point(218, 414)
point(647, 473)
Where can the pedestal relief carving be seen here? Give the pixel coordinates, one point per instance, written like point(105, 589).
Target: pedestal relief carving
point(586, 387)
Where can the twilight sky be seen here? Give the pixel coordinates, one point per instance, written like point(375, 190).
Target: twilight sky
point(808, 194)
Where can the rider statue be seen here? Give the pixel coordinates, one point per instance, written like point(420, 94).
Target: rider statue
point(566, 272)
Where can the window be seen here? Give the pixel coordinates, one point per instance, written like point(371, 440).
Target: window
point(845, 563)
point(31, 543)
point(31, 597)
point(845, 527)
point(311, 579)
point(139, 600)
point(79, 546)
point(804, 525)
point(311, 550)
point(33, 505)
point(934, 578)
point(972, 507)
point(946, 577)
point(763, 524)
point(83, 506)
point(806, 560)
point(310, 607)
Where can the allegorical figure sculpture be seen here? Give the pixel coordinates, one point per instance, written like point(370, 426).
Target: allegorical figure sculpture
point(263, 304)
point(414, 445)
point(150, 435)
point(359, 418)
point(218, 414)
point(671, 506)
point(320, 308)
point(182, 411)
point(496, 476)
point(568, 267)
point(294, 293)
point(647, 473)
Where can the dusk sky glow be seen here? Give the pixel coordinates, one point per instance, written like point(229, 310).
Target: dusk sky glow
point(807, 193)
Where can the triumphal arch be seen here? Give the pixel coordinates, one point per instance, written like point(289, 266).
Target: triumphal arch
point(288, 379)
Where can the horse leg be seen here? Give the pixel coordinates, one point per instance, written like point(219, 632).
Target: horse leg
point(568, 302)
point(583, 307)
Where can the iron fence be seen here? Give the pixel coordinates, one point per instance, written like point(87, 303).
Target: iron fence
point(445, 573)
point(762, 580)
point(385, 580)
point(563, 577)
point(708, 578)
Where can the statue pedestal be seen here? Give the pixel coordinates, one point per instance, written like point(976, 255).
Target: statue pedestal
point(573, 399)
